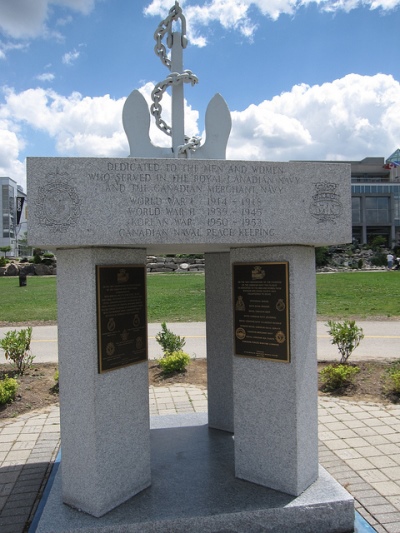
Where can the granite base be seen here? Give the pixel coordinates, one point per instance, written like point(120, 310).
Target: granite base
point(194, 489)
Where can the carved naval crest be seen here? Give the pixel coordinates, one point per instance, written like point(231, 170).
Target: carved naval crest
point(326, 205)
point(58, 205)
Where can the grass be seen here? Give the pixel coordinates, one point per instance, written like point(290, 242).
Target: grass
point(359, 294)
point(180, 298)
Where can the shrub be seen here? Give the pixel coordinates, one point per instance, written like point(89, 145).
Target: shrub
point(16, 346)
point(174, 362)
point(48, 255)
point(393, 374)
point(8, 390)
point(379, 259)
point(321, 256)
point(3, 261)
point(346, 335)
point(360, 263)
point(335, 377)
point(169, 341)
point(378, 241)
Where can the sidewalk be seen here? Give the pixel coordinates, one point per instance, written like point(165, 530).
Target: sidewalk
point(359, 446)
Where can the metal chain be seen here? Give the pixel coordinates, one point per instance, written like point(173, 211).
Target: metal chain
point(187, 76)
point(175, 13)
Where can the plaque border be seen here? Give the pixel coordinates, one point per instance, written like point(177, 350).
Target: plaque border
point(287, 332)
point(98, 316)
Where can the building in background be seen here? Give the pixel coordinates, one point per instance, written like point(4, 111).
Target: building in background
point(375, 191)
point(13, 223)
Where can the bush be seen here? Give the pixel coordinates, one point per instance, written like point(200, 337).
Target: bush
point(174, 362)
point(16, 346)
point(3, 261)
point(8, 390)
point(360, 263)
point(321, 256)
point(169, 341)
point(335, 377)
point(346, 335)
point(393, 374)
point(379, 259)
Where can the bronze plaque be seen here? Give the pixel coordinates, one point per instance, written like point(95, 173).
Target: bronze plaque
point(261, 310)
point(121, 315)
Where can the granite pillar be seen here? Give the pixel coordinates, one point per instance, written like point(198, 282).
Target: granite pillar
point(219, 340)
point(275, 403)
point(105, 427)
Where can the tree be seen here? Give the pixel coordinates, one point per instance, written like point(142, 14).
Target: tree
point(5, 249)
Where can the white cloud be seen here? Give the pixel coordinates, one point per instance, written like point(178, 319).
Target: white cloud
point(70, 57)
point(242, 15)
point(46, 76)
point(23, 19)
point(347, 119)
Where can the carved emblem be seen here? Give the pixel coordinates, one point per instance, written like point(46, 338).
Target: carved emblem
point(58, 205)
point(326, 205)
point(280, 337)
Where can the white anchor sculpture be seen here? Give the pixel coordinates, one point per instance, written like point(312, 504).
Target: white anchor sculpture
point(136, 116)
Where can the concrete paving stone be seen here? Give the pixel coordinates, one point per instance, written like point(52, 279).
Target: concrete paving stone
point(364, 416)
point(20, 499)
point(23, 445)
point(376, 439)
point(392, 473)
point(382, 461)
point(359, 464)
point(4, 446)
point(374, 422)
point(335, 426)
point(28, 437)
point(394, 437)
point(388, 449)
point(392, 528)
point(6, 489)
point(375, 501)
point(32, 429)
point(388, 518)
point(361, 494)
point(11, 524)
point(381, 509)
point(167, 412)
point(52, 428)
point(370, 451)
point(326, 435)
point(346, 434)
point(368, 517)
point(380, 529)
point(9, 477)
point(22, 511)
point(365, 431)
point(7, 438)
point(11, 430)
point(326, 419)
point(355, 424)
point(18, 455)
point(373, 476)
point(386, 488)
point(347, 453)
point(336, 444)
point(50, 436)
point(356, 442)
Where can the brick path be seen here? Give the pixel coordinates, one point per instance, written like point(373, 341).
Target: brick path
point(359, 446)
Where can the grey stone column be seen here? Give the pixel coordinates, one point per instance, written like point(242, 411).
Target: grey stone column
point(105, 428)
point(275, 403)
point(219, 332)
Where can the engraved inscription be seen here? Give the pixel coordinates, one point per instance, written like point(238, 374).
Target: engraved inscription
point(261, 300)
point(121, 315)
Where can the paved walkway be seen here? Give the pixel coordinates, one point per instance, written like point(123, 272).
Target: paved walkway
point(359, 446)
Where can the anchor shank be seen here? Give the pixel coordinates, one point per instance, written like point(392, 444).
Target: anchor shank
point(177, 118)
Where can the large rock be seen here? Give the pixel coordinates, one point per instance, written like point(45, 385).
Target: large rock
point(42, 270)
point(11, 270)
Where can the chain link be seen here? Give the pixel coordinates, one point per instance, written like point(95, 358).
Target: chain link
point(187, 76)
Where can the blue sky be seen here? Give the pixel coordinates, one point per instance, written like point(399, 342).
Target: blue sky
point(303, 79)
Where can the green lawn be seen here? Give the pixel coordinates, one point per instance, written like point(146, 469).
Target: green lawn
point(179, 298)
